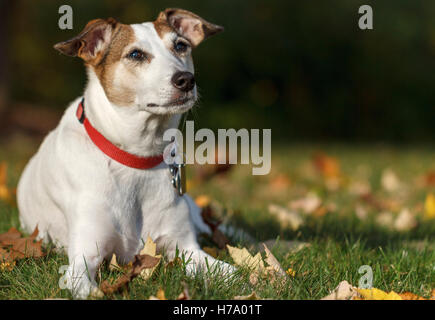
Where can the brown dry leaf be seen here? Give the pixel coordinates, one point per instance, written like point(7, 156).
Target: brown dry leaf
point(381, 204)
point(150, 248)
point(210, 219)
point(12, 234)
point(344, 291)
point(410, 296)
point(176, 262)
point(14, 247)
point(430, 179)
point(328, 166)
point(140, 263)
point(211, 251)
point(252, 296)
point(286, 217)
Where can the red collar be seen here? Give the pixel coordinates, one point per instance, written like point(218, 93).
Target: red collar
point(121, 156)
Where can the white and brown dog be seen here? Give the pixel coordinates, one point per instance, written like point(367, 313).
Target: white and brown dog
point(98, 185)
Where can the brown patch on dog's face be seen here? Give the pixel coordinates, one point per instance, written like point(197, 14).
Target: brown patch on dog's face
point(119, 93)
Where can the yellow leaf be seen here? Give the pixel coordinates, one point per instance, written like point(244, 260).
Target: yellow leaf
point(202, 201)
point(377, 294)
point(243, 258)
point(291, 272)
point(429, 206)
point(8, 266)
point(160, 295)
point(150, 248)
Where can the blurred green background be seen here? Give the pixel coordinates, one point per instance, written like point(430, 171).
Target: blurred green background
point(302, 68)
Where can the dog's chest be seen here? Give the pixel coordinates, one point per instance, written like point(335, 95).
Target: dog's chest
point(138, 196)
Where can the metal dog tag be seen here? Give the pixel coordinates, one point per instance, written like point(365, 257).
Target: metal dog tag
point(178, 172)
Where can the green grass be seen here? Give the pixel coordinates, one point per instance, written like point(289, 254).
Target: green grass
point(339, 242)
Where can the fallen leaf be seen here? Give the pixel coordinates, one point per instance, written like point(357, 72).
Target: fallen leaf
point(377, 294)
point(410, 296)
point(360, 188)
point(279, 183)
point(273, 262)
point(286, 217)
point(307, 205)
point(210, 219)
point(140, 263)
point(361, 212)
point(202, 201)
point(430, 179)
point(291, 272)
point(328, 166)
point(344, 291)
point(150, 248)
point(405, 221)
point(14, 247)
point(429, 207)
point(385, 219)
point(390, 181)
point(243, 258)
point(211, 251)
point(161, 294)
point(7, 266)
point(12, 234)
point(252, 296)
point(286, 245)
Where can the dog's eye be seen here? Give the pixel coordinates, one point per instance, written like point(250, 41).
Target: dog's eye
point(180, 46)
point(137, 55)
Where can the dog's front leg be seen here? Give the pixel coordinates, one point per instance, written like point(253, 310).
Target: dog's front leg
point(88, 246)
point(196, 259)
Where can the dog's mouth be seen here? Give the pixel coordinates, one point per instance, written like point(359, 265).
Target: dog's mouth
point(173, 103)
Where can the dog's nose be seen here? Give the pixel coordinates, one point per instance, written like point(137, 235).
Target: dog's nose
point(183, 81)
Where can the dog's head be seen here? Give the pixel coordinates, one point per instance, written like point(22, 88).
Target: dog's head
point(146, 65)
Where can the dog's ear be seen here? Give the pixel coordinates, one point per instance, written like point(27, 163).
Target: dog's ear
point(189, 25)
point(91, 42)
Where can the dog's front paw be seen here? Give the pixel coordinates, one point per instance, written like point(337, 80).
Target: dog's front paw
point(80, 286)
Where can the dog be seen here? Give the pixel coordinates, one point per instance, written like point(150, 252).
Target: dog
point(97, 186)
